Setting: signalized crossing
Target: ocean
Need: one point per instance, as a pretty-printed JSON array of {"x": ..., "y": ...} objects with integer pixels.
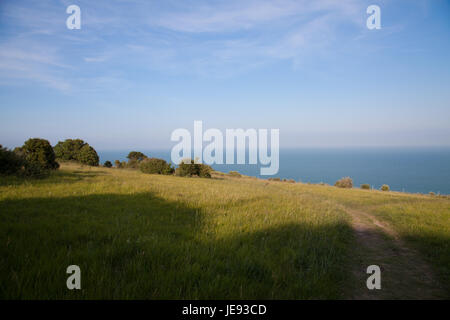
[{"x": 414, "y": 170}]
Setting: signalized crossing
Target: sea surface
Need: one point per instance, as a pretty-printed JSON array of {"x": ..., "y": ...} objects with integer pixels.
[{"x": 415, "y": 170}]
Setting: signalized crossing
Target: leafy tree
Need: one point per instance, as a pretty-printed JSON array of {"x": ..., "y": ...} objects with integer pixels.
[
  {"x": 136, "y": 155},
  {"x": 10, "y": 162},
  {"x": 69, "y": 149},
  {"x": 107, "y": 164},
  {"x": 38, "y": 154},
  {"x": 189, "y": 168},
  {"x": 88, "y": 155},
  {"x": 156, "y": 166},
  {"x": 77, "y": 150}
]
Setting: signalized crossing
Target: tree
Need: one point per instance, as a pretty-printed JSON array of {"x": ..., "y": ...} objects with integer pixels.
[
  {"x": 88, "y": 155},
  {"x": 10, "y": 162},
  {"x": 69, "y": 149},
  {"x": 107, "y": 164},
  {"x": 117, "y": 163},
  {"x": 136, "y": 155},
  {"x": 189, "y": 168},
  {"x": 76, "y": 150},
  {"x": 38, "y": 153},
  {"x": 156, "y": 166}
]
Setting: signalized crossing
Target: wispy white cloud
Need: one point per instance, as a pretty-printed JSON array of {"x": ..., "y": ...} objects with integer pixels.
[
  {"x": 226, "y": 16},
  {"x": 212, "y": 39}
]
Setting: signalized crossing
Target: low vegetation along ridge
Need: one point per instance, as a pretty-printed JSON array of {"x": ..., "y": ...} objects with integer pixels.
[{"x": 164, "y": 233}]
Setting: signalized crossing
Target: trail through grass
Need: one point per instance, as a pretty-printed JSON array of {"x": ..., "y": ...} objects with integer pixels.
[{"x": 139, "y": 236}]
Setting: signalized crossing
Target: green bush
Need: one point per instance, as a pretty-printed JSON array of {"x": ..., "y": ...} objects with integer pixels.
[
  {"x": 384, "y": 187},
  {"x": 76, "y": 150},
  {"x": 205, "y": 171},
  {"x": 88, "y": 155},
  {"x": 134, "y": 159},
  {"x": 38, "y": 153},
  {"x": 107, "y": 164},
  {"x": 346, "y": 182},
  {"x": 10, "y": 162},
  {"x": 68, "y": 149},
  {"x": 234, "y": 174},
  {"x": 35, "y": 170},
  {"x": 189, "y": 168},
  {"x": 155, "y": 166},
  {"x": 365, "y": 186},
  {"x": 136, "y": 155}
]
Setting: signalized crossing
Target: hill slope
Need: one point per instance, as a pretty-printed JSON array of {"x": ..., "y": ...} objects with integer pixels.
[{"x": 164, "y": 237}]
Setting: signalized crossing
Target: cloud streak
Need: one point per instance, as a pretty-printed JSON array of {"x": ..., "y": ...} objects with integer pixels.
[{"x": 211, "y": 39}]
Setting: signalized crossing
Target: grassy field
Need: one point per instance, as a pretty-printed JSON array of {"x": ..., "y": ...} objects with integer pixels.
[{"x": 139, "y": 236}]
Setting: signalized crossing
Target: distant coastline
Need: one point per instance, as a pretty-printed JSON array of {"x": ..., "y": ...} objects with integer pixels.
[{"x": 408, "y": 169}]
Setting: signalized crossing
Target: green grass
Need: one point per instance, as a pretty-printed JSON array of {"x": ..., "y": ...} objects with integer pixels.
[
  {"x": 139, "y": 236},
  {"x": 423, "y": 221}
]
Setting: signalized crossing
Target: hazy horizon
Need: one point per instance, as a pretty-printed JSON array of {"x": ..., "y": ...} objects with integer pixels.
[{"x": 136, "y": 71}]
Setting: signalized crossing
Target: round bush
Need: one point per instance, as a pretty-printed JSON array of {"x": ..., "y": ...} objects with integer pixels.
[
  {"x": 384, "y": 187},
  {"x": 39, "y": 153},
  {"x": 10, "y": 162},
  {"x": 155, "y": 166},
  {"x": 107, "y": 164},
  {"x": 69, "y": 149},
  {"x": 88, "y": 155},
  {"x": 365, "y": 186},
  {"x": 76, "y": 150},
  {"x": 188, "y": 168},
  {"x": 346, "y": 182},
  {"x": 136, "y": 155}
]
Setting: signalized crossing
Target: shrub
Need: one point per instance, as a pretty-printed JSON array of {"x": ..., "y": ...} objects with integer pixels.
[
  {"x": 77, "y": 150},
  {"x": 274, "y": 179},
  {"x": 346, "y": 182},
  {"x": 136, "y": 155},
  {"x": 155, "y": 166},
  {"x": 117, "y": 163},
  {"x": 68, "y": 149},
  {"x": 134, "y": 159},
  {"x": 384, "y": 187},
  {"x": 88, "y": 155},
  {"x": 35, "y": 170},
  {"x": 133, "y": 163},
  {"x": 10, "y": 162},
  {"x": 234, "y": 174},
  {"x": 107, "y": 164},
  {"x": 205, "y": 171},
  {"x": 38, "y": 153},
  {"x": 365, "y": 186},
  {"x": 188, "y": 168}
]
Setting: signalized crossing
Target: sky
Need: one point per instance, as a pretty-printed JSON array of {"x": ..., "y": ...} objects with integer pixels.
[{"x": 138, "y": 70}]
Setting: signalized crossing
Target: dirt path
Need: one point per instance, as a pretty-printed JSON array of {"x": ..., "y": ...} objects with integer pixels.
[{"x": 404, "y": 274}]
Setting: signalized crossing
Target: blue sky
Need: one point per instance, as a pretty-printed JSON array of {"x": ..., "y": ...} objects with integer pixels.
[{"x": 137, "y": 70}]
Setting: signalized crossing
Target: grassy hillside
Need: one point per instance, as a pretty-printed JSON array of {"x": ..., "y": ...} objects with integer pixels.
[{"x": 164, "y": 237}]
